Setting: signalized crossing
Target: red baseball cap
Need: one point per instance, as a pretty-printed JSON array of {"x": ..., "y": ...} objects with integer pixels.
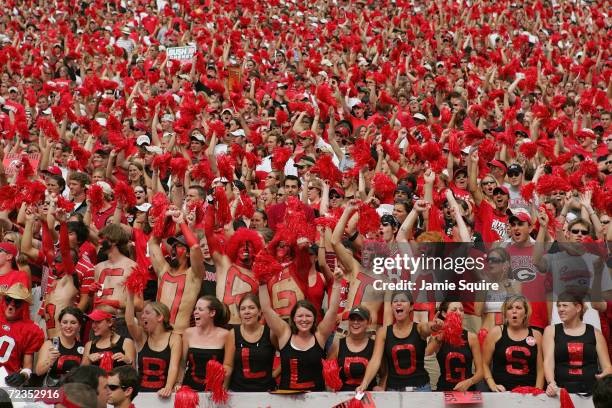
[
  {"x": 504, "y": 189},
  {"x": 497, "y": 163},
  {"x": 99, "y": 315},
  {"x": 53, "y": 170},
  {"x": 520, "y": 215},
  {"x": 8, "y": 248}
]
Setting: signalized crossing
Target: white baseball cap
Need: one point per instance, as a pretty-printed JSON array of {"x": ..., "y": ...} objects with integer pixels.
[
  {"x": 143, "y": 139},
  {"x": 144, "y": 207}
]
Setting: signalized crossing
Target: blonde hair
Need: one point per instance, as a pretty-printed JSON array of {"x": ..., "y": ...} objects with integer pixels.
[
  {"x": 162, "y": 310},
  {"x": 512, "y": 299}
]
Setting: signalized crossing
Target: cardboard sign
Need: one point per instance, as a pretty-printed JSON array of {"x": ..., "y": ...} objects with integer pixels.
[
  {"x": 12, "y": 162},
  {"x": 181, "y": 53},
  {"x": 458, "y": 397},
  {"x": 366, "y": 402}
]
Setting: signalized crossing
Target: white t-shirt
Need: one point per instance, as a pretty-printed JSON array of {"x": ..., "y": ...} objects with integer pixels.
[{"x": 576, "y": 271}]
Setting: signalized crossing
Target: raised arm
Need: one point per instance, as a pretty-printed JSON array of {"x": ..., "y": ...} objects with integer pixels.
[
  {"x": 328, "y": 324},
  {"x": 374, "y": 364},
  {"x": 133, "y": 327},
  {"x": 277, "y": 325}
]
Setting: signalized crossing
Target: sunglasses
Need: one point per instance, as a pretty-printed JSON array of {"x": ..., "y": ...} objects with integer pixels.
[
  {"x": 604, "y": 222},
  {"x": 8, "y": 300},
  {"x": 334, "y": 196},
  {"x": 499, "y": 193},
  {"x": 486, "y": 183},
  {"x": 580, "y": 231},
  {"x": 513, "y": 174},
  {"x": 114, "y": 387},
  {"x": 386, "y": 224},
  {"x": 495, "y": 260}
]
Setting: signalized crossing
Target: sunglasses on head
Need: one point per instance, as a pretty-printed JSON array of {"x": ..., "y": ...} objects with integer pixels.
[
  {"x": 580, "y": 231},
  {"x": 8, "y": 300}
]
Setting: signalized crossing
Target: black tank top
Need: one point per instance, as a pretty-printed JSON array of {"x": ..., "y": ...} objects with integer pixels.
[
  {"x": 575, "y": 360},
  {"x": 302, "y": 369},
  {"x": 515, "y": 362},
  {"x": 117, "y": 348},
  {"x": 455, "y": 364},
  {"x": 68, "y": 359},
  {"x": 153, "y": 367},
  {"x": 253, "y": 363},
  {"x": 353, "y": 365},
  {"x": 405, "y": 360},
  {"x": 197, "y": 358}
]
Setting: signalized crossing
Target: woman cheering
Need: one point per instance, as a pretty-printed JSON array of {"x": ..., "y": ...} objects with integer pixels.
[
  {"x": 249, "y": 350},
  {"x": 402, "y": 346},
  {"x": 512, "y": 355},
  {"x": 301, "y": 341},
  {"x": 573, "y": 350},
  {"x": 159, "y": 350},
  {"x": 456, "y": 361}
]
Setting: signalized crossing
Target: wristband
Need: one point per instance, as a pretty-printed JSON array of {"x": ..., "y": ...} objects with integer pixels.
[
  {"x": 26, "y": 371},
  {"x": 354, "y": 236}
]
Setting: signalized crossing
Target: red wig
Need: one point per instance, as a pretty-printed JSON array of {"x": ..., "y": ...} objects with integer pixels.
[{"x": 241, "y": 236}]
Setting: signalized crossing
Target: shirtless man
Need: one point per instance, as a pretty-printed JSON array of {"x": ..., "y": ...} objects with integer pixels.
[
  {"x": 110, "y": 275},
  {"x": 361, "y": 291},
  {"x": 180, "y": 278},
  {"x": 62, "y": 289},
  {"x": 234, "y": 276}
]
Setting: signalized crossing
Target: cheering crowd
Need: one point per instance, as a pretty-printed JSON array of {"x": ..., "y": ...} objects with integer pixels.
[{"x": 189, "y": 192}]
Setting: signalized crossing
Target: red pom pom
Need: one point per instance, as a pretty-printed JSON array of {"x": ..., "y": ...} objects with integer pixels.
[
  {"x": 328, "y": 222},
  {"x": 325, "y": 95},
  {"x": 226, "y": 164},
  {"x": 355, "y": 403},
  {"x": 589, "y": 167},
  {"x": 217, "y": 127},
  {"x": 566, "y": 400},
  {"x": 527, "y": 191},
  {"x": 136, "y": 282},
  {"x": 178, "y": 166},
  {"x": 471, "y": 132},
  {"x": 125, "y": 193},
  {"x": 280, "y": 155},
  {"x": 525, "y": 390},
  {"x": 215, "y": 375},
  {"x": 326, "y": 169},
  {"x": 162, "y": 163},
  {"x": 48, "y": 128},
  {"x": 548, "y": 183},
  {"x": 529, "y": 149},
  {"x": 106, "y": 362},
  {"x": 453, "y": 330},
  {"x": 360, "y": 152},
  {"x": 331, "y": 374},
  {"x": 96, "y": 197},
  {"x": 482, "y": 335},
  {"x": 431, "y": 151},
  {"x": 386, "y": 99},
  {"x": 186, "y": 397},
  {"x": 383, "y": 186},
  {"x": 9, "y": 199},
  {"x": 34, "y": 192},
  {"x": 67, "y": 205},
  {"x": 369, "y": 220},
  {"x": 281, "y": 117},
  {"x": 222, "y": 208},
  {"x": 266, "y": 267},
  {"x": 202, "y": 171}
]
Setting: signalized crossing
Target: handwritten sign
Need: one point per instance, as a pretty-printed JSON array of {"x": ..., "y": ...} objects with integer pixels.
[
  {"x": 366, "y": 402},
  {"x": 467, "y": 397},
  {"x": 12, "y": 162},
  {"x": 181, "y": 53}
]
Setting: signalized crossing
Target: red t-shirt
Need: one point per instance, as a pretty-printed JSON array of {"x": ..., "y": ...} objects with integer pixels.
[
  {"x": 16, "y": 340},
  {"x": 13, "y": 277},
  {"x": 533, "y": 283},
  {"x": 490, "y": 223}
]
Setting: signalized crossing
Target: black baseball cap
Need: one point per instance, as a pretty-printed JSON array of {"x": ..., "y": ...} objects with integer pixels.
[{"x": 361, "y": 312}]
